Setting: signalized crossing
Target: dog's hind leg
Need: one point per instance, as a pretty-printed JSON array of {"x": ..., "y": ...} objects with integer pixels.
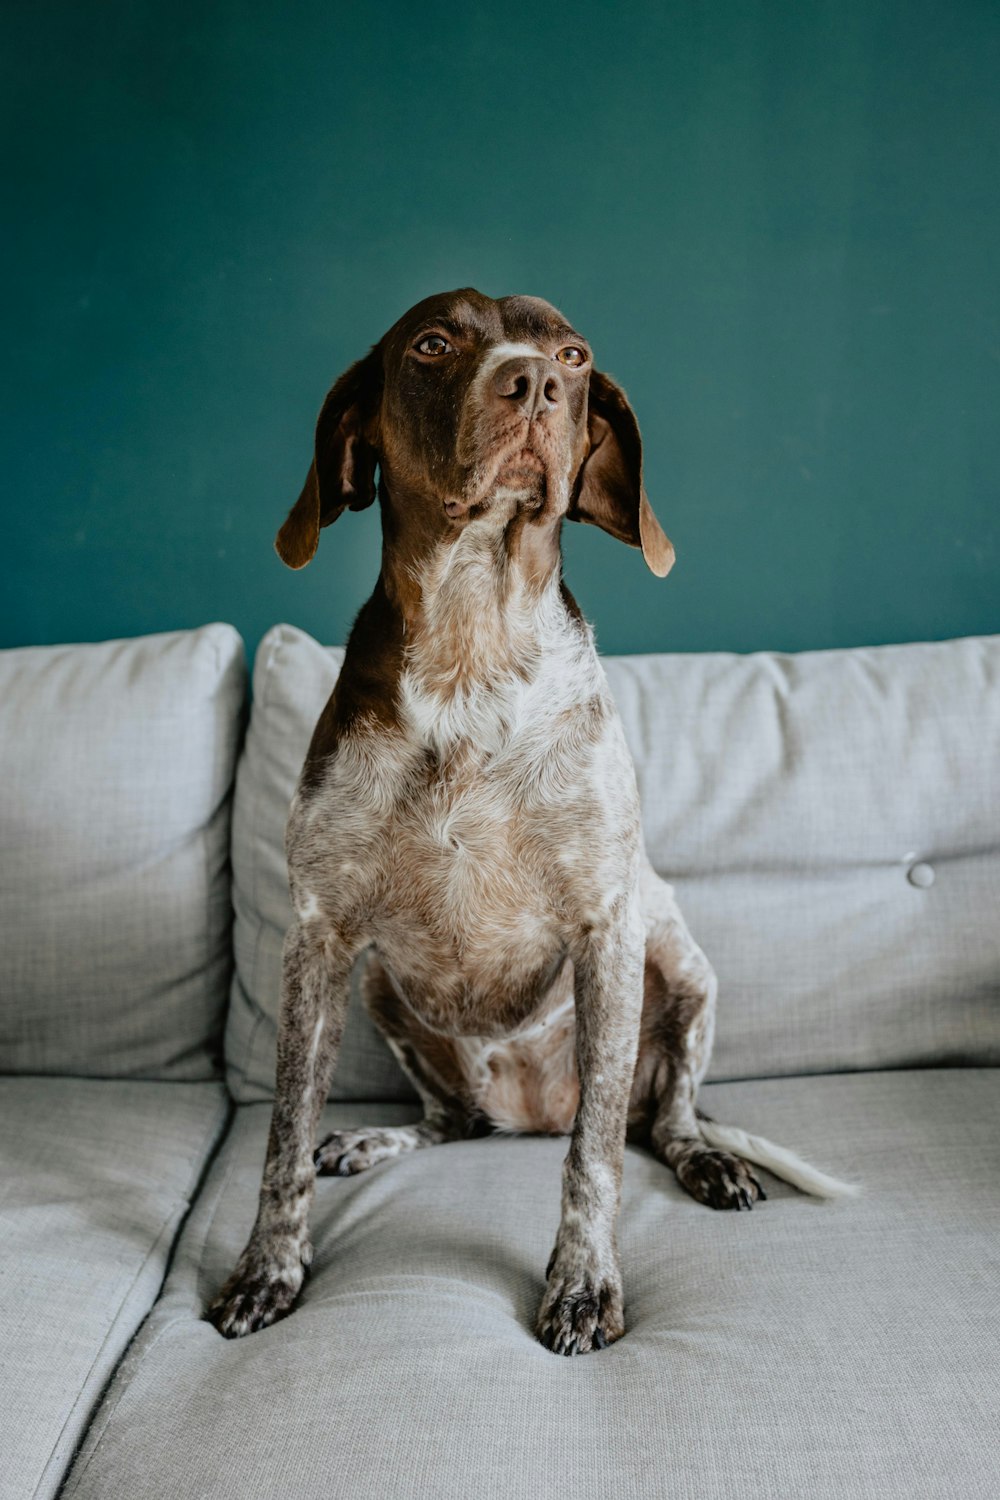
[
  {"x": 711, "y": 1160},
  {"x": 675, "y": 1044},
  {"x": 431, "y": 1064}
]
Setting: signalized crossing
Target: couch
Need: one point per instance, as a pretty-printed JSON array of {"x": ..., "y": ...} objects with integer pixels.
[{"x": 831, "y": 822}]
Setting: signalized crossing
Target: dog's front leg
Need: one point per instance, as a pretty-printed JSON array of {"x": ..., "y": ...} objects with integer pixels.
[
  {"x": 583, "y": 1304},
  {"x": 269, "y": 1274}
]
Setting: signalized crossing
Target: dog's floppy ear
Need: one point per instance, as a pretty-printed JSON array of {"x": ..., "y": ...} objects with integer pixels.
[
  {"x": 609, "y": 491},
  {"x": 342, "y": 474}
]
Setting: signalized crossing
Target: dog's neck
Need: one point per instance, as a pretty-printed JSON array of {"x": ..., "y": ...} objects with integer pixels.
[
  {"x": 476, "y": 603},
  {"x": 485, "y": 631}
]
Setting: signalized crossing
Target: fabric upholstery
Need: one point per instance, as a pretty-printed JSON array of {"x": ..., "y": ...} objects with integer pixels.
[
  {"x": 830, "y": 820},
  {"x": 116, "y": 763},
  {"x": 800, "y": 804},
  {"x": 837, "y": 1351},
  {"x": 95, "y": 1176}
]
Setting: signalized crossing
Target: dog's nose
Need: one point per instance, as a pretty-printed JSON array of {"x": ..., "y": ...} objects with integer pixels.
[{"x": 529, "y": 385}]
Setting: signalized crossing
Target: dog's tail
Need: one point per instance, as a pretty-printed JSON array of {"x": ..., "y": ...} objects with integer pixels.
[{"x": 777, "y": 1159}]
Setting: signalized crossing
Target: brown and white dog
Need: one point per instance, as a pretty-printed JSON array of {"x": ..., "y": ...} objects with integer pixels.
[{"x": 467, "y": 816}]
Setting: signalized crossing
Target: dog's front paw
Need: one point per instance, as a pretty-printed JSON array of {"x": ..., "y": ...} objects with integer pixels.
[
  {"x": 580, "y": 1312},
  {"x": 261, "y": 1290},
  {"x": 718, "y": 1179},
  {"x": 346, "y": 1152}
]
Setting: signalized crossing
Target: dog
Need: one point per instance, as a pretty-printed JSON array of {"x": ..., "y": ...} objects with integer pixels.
[{"x": 467, "y": 820}]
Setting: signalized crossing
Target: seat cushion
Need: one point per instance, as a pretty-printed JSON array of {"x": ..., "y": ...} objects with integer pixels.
[
  {"x": 95, "y": 1177},
  {"x": 116, "y": 763},
  {"x": 830, "y": 820},
  {"x": 831, "y": 1350}
]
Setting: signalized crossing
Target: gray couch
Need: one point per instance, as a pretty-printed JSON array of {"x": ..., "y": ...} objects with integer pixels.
[{"x": 832, "y": 824}]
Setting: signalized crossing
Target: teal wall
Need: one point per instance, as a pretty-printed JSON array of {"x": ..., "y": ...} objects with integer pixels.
[{"x": 778, "y": 223}]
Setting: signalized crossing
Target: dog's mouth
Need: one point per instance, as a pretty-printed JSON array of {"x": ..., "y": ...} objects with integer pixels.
[
  {"x": 521, "y": 469},
  {"x": 525, "y": 462},
  {"x": 517, "y": 472}
]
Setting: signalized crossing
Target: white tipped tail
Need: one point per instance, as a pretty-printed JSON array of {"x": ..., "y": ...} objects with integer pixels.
[{"x": 776, "y": 1159}]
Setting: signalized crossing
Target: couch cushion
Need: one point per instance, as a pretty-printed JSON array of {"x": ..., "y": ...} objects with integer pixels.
[
  {"x": 831, "y": 1350},
  {"x": 94, "y": 1179},
  {"x": 831, "y": 821},
  {"x": 798, "y": 803},
  {"x": 116, "y": 762}
]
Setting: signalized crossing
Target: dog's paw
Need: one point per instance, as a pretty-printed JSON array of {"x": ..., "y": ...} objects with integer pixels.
[
  {"x": 259, "y": 1292},
  {"x": 579, "y": 1313},
  {"x": 346, "y": 1152},
  {"x": 718, "y": 1179}
]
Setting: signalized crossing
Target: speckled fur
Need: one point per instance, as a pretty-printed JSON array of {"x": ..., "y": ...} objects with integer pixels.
[{"x": 468, "y": 815}]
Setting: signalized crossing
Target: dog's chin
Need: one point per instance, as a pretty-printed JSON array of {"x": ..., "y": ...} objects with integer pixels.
[{"x": 517, "y": 492}]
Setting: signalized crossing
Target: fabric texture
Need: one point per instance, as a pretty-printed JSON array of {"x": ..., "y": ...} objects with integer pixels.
[
  {"x": 837, "y": 1351},
  {"x": 116, "y": 764},
  {"x": 95, "y": 1176},
  {"x": 830, "y": 821}
]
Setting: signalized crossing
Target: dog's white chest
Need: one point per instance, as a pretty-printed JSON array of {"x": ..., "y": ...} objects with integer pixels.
[{"x": 477, "y": 720}]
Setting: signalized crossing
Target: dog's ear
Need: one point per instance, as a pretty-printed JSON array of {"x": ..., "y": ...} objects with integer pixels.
[
  {"x": 609, "y": 491},
  {"x": 342, "y": 473}
]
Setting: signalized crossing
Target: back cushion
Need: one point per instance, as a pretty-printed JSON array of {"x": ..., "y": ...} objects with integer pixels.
[
  {"x": 830, "y": 822},
  {"x": 116, "y": 770}
]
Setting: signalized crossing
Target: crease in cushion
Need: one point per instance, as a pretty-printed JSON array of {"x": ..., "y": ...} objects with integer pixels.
[
  {"x": 839, "y": 1351},
  {"x": 117, "y": 764},
  {"x": 787, "y": 798},
  {"x": 95, "y": 1177}
]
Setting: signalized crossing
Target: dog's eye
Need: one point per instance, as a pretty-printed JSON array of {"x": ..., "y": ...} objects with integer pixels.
[
  {"x": 571, "y": 355},
  {"x": 434, "y": 344}
]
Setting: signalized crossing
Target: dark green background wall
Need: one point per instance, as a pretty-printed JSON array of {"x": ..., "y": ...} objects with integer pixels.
[{"x": 779, "y": 224}]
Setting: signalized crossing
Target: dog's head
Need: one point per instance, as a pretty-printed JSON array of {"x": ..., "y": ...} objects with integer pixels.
[{"x": 476, "y": 409}]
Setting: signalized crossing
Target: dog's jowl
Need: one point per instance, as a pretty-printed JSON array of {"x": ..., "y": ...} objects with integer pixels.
[{"x": 466, "y": 824}]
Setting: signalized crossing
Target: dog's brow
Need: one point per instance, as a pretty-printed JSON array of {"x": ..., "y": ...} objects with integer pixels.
[
  {"x": 542, "y": 329},
  {"x": 458, "y": 327},
  {"x": 564, "y": 331}
]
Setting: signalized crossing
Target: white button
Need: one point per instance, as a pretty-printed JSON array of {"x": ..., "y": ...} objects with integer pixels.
[{"x": 920, "y": 875}]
